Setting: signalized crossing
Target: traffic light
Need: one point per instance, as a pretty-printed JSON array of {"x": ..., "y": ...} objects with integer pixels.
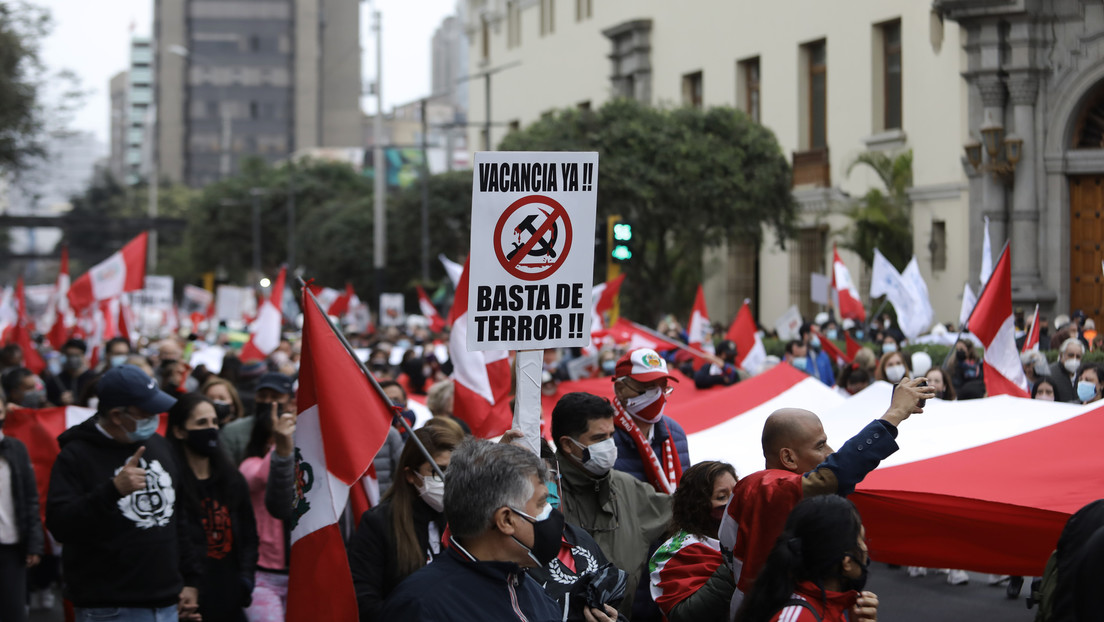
[{"x": 622, "y": 241}]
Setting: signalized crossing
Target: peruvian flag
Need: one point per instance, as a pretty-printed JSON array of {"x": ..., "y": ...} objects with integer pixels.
[
  {"x": 849, "y": 303},
  {"x": 749, "y": 347},
  {"x": 340, "y": 306},
  {"x": 678, "y": 573},
  {"x": 342, "y": 424},
  {"x": 264, "y": 332},
  {"x": 39, "y": 428},
  {"x": 20, "y": 333},
  {"x": 698, "y": 332},
  {"x": 124, "y": 271},
  {"x": 853, "y": 346},
  {"x": 481, "y": 379},
  {"x": 63, "y": 317},
  {"x": 1032, "y": 341},
  {"x": 634, "y": 336},
  {"x": 604, "y": 296},
  {"x": 436, "y": 324},
  {"x": 993, "y": 323},
  {"x": 832, "y": 350}
]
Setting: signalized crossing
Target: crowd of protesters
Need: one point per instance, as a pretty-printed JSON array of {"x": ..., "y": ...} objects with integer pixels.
[{"x": 612, "y": 521}]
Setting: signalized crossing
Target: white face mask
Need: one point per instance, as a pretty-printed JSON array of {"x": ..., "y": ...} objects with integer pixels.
[
  {"x": 598, "y": 458},
  {"x": 1071, "y": 365},
  {"x": 432, "y": 491},
  {"x": 647, "y": 406},
  {"x": 894, "y": 373}
]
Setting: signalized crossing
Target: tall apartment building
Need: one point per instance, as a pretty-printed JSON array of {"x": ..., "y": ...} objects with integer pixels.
[
  {"x": 117, "y": 88},
  {"x": 265, "y": 78},
  {"x": 998, "y": 100},
  {"x": 139, "y": 110}
]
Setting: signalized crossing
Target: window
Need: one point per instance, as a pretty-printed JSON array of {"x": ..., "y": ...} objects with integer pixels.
[
  {"x": 808, "y": 255},
  {"x": 747, "y": 80},
  {"x": 547, "y": 17},
  {"x": 584, "y": 106},
  {"x": 938, "y": 245},
  {"x": 692, "y": 89},
  {"x": 513, "y": 24},
  {"x": 485, "y": 37},
  {"x": 254, "y": 110},
  {"x": 583, "y": 9},
  {"x": 816, "y": 55},
  {"x": 514, "y": 126},
  {"x": 630, "y": 59},
  {"x": 891, "y": 80}
]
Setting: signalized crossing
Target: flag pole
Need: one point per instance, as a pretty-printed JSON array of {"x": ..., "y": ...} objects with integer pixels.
[
  {"x": 677, "y": 344},
  {"x": 371, "y": 379}
]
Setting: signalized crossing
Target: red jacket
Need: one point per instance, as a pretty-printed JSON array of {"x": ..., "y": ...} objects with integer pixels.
[{"x": 829, "y": 606}]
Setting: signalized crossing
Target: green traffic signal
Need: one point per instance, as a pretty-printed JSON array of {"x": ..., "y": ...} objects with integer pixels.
[
  {"x": 621, "y": 253},
  {"x": 622, "y": 232}
]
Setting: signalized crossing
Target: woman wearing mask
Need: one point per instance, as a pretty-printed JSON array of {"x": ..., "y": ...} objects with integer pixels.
[
  {"x": 817, "y": 570},
  {"x": 889, "y": 344},
  {"x": 228, "y": 404},
  {"x": 964, "y": 365},
  {"x": 688, "y": 577},
  {"x": 403, "y": 532},
  {"x": 893, "y": 368},
  {"x": 940, "y": 381},
  {"x": 1043, "y": 390},
  {"x": 217, "y": 498},
  {"x": 1088, "y": 384}
]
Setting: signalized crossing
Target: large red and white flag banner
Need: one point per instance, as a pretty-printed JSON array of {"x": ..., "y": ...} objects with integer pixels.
[
  {"x": 992, "y": 321},
  {"x": 849, "y": 302},
  {"x": 264, "y": 332},
  {"x": 123, "y": 271},
  {"x": 343, "y": 422},
  {"x": 21, "y": 333},
  {"x": 39, "y": 428},
  {"x": 436, "y": 324},
  {"x": 750, "y": 352},
  {"x": 481, "y": 379},
  {"x": 63, "y": 316},
  {"x": 699, "y": 332},
  {"x": 1031, "y": 342}
]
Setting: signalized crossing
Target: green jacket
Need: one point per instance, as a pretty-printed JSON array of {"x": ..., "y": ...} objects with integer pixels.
[
  {"x": 234, "y": 436},
  {"x": 624, "y": 515}
]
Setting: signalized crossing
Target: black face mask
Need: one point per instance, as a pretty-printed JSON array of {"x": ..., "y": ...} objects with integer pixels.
[
  {"x": 547, "y": 535},
  {"x": 222, "y": 410},
  {"x": 960, "y": 355},
  {"x": 858, "y": 584},
  {"x": 204, "y": 442}
]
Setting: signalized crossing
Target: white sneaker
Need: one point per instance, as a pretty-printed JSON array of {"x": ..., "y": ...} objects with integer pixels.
[
  {"x": 958, "y": 577},
  {"x": 48, "y": 599},
  {"x": 917, "y": 571}
]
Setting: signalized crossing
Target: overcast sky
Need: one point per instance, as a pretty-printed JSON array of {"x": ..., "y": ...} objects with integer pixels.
[{"x": 92, "y": 38}]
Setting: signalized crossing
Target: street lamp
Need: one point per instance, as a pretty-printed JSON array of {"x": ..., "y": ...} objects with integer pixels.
[{"x": 1004, "y": 152}]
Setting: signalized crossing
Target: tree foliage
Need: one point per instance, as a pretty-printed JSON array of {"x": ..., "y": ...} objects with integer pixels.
[
  {"x": 684, "y": 178},
  {"x": 883, "y": 220}
]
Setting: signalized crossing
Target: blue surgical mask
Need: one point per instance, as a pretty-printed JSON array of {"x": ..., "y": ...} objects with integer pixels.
[
  {"x": 1085, "y": 391},
  {"x": 832, "y": 333},
  {"x": 801, "y": 363},
  {"x": 608, "y": 366},
  {"x": 889, "y": 347},
  {"x": 554, "y": 494},
  {"x": 117, "y": 360},
  {"x": 815, "y": 342},
  {"x": 859, "y": 335},
  {"x": 144, "y": 428}
]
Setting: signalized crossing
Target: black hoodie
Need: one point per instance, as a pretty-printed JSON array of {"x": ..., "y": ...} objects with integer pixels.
[{"x": 131, "y": 551}]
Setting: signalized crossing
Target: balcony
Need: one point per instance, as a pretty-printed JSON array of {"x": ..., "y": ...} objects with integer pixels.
[{"x": 811, "y": 168}]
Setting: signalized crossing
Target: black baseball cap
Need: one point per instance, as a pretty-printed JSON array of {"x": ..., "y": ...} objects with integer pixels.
[
  {"x": 276, "y": 381},
  {"x": 128, "y": 385}
]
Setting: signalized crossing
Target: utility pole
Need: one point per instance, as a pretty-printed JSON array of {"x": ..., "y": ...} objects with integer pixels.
[
  {"x": 291, "y": 219},
  {"x": 379, "y": 239},
  {"x": 486, "y": 75},
  {"x": 255, "y": 193},
  {"x": 425, "y": 192}
]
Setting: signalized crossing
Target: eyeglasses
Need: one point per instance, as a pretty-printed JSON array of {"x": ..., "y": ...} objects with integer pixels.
[{"x": 639, "y": 388}]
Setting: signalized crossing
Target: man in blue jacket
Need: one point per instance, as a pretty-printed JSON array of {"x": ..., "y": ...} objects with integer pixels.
[{"x": 496, "y": 501}]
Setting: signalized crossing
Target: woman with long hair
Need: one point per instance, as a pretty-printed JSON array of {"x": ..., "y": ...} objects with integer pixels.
[
  {"x": 403, "y": 532},
  {"x": 689, "y": 579},
  {"x": 216, "y": 497},
  {"x": 817, "y": 569},
  {"x": 893, "y": 367},
  {"x": 228, "y": 404}
]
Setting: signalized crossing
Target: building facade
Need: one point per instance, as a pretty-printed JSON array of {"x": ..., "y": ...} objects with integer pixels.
[
  {"x": 140, "y": 112},
  {"x": 264, "y": 78},
  {"x": 881, "y": 76},
  {"x": 117, "y": 89}
]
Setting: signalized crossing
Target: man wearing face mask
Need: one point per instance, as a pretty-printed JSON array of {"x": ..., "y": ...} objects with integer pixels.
[
  {"x": 624, "y": 515},
  {"x": 819, "y": 364},
  {"x": 112, "y": 504},
  {"x": 24, "y": 388},
  {"x": 273, "y": 391},
  {"x": 651, "y": 446},
  {"x": 62, "y": 388},
  {"x": 500, "y": 524},
  {"x": 1064, "y": 371}
]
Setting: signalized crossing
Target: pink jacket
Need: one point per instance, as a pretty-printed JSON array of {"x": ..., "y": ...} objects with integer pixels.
[{"x": 270, "y": 531}]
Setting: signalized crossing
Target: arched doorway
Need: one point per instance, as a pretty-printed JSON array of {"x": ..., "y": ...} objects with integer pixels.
[{"x": 1086, "y": 193}]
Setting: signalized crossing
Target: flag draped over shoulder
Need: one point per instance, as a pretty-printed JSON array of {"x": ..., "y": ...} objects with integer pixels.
[
  {"x": 343, "y": 421},
  {"x": 992, "y": 321},
  {"x": 481, "y": 379}
]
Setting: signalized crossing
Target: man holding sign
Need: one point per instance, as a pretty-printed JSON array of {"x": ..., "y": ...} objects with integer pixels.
[{"x": 112, "y": 504}]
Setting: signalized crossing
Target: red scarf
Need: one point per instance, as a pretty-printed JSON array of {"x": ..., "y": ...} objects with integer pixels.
[{"x": 663, "y": 475}]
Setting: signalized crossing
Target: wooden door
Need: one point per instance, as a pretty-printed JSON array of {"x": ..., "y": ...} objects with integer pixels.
[{"x": 1087, "y": 246}]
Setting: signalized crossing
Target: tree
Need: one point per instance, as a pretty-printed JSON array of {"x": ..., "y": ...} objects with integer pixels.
[
  {"x": 883, "y": 220},
  {"x": 685, "y": 178}
]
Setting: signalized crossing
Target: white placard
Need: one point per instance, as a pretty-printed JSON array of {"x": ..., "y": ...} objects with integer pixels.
[
  {"x": 392, "y": 310},
  {"x": 818, "y": 288},
  {"x": 789, "y": 324},
  {"x": 532, "y": 250}
]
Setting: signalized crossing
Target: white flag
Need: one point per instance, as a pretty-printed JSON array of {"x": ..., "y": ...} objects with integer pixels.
[
  {"x": 925, "y": 315},
  {"x": 886, "y": 281},
  {"x": 986, "y": 256},
  {"x": 968, "y": 302}
]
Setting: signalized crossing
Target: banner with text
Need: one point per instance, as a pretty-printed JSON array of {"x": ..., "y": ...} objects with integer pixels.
[{"x": 532, "y": 250}]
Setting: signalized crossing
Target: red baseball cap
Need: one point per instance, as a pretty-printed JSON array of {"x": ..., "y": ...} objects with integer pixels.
[{"x": 642, "y": 364}]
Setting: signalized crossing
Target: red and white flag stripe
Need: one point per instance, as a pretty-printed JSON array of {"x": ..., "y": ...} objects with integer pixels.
[
  {"x": 698, "y": 332},
  {"x": 264, "y": 332},
  {"x": 123, "y": 271},
  {"x": 992, "y": 321}
]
